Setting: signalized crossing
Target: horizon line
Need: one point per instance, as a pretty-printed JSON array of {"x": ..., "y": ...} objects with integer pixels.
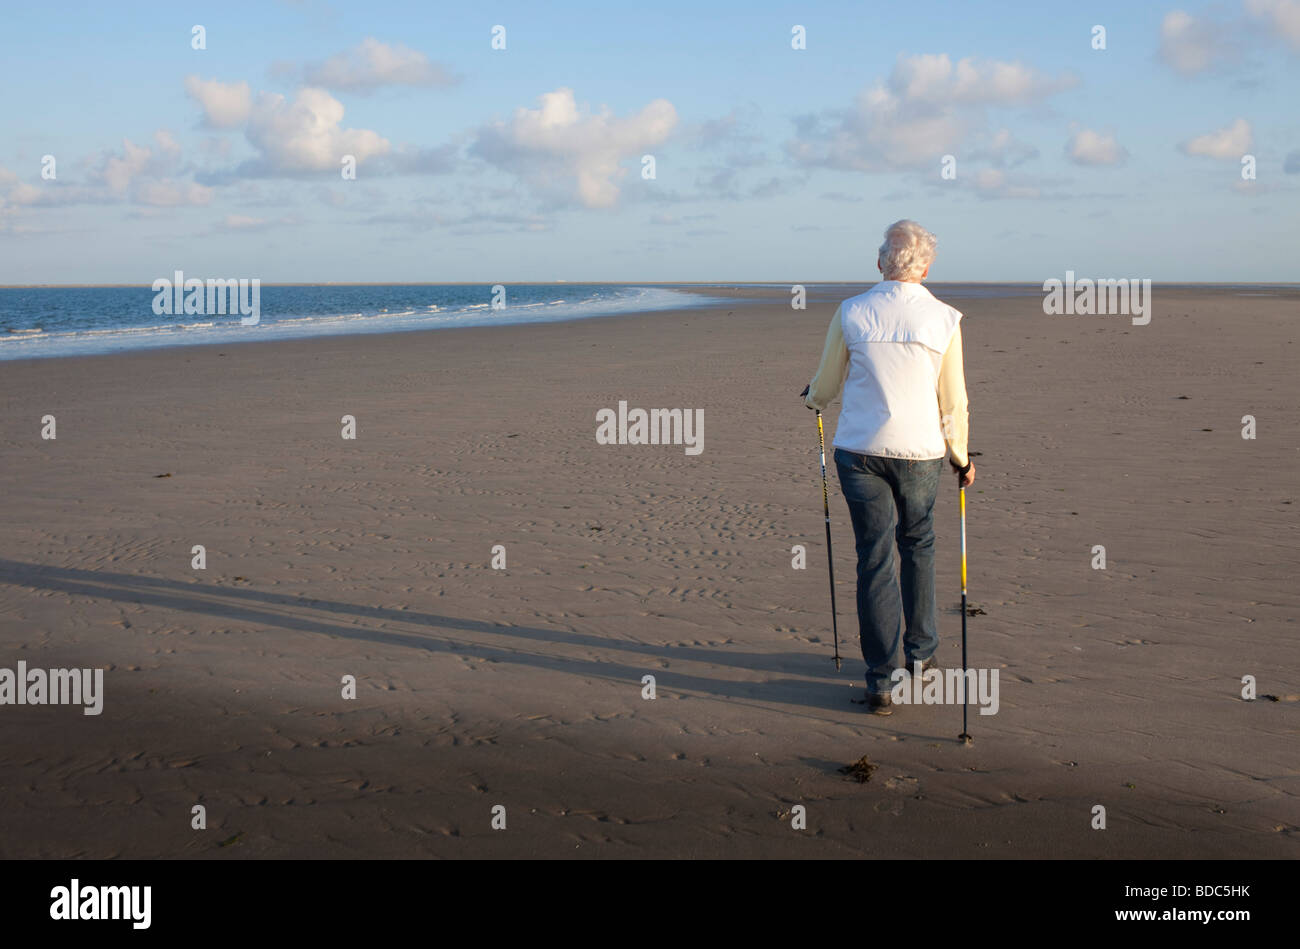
[{"x": 629, "y": 283}]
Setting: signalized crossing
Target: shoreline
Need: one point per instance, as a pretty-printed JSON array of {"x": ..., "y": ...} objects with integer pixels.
[
  {"x": 368, "y": 332},
  {"x": 817, "y": 294},
  {"x": 1172, "y": 284}
]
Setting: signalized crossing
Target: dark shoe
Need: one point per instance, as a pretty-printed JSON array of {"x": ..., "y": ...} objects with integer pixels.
[
  {"x": 925, "y": 666},
  {"x": 880, "y": 703}
]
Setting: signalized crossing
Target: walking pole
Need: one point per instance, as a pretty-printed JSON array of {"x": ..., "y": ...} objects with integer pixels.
[
  {"x": 826, "y": 509},
  {"x": 964, "y": 737}
]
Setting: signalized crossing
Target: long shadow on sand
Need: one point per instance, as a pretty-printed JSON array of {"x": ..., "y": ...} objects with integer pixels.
[{"x": 243, "y": 605}]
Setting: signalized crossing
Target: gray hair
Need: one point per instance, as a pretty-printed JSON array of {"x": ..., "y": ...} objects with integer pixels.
[{"x": 907, "y": 251}]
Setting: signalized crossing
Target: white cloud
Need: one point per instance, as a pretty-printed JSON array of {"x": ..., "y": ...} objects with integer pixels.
[
  {"x": 304, "y": 135},
  {"x": 291, "y": 137},
  {"x": 934, "y": 79},
  {"x": 927, "y": 107},
  {"x": 167, "y": 143},
  {"x": 247, "y": 224},
  {"x": 141, "y": 174},
  {"x": 26, "y": 194},
  {"x": 169, "y": 193},
  {"x": 1087, "y": 147},
  {"x": 372, "y": 64},
  {"x": 117, "y": 171},
  {"x": 735, "y": 129},
  {"x": 242, "y": 222},
  {"x": 1227, "y": 143},
  {"x": 474, "y": 224},
  {"x": 55, "y": 194},
  {"x": 225, "y": 105},
  {"x": 1282, "y": 18},
  {"x": 146, "y": 174},
  {"x": 1002, "y": 149},
  {"x": 994, "y": 183},
  {"x": 569, "y": 151},
  {"x": 1191, "y": 45}
]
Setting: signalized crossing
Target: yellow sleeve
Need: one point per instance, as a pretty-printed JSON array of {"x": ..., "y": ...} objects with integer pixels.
[
  {"x": 834, "y": 367},
  {"x": 953, "y": 406}
]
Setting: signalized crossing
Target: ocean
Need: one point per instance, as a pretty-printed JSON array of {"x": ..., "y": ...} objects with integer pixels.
[{"x": 69, "y": 321}]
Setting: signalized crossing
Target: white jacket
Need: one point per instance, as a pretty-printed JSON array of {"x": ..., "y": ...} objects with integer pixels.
[{"x": 896, "y": 333}]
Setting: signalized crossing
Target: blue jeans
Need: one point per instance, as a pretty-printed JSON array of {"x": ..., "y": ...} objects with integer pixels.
[{"x": 891, "y": 503}]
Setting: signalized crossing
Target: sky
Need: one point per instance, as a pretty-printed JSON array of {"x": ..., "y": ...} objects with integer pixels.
[{"x": 782, "y": 139}]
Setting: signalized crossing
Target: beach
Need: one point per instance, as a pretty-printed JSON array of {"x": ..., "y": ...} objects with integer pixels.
[{"x": 522, "y": 687}]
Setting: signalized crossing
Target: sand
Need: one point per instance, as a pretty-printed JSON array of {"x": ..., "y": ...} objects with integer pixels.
[{"x": 523, "y": 687}]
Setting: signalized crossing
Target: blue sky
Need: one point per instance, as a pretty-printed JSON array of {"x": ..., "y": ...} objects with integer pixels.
[{"x": 771, "y": 163}]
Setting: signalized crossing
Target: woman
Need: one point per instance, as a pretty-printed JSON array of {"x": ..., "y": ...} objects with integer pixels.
[{"x": 896, "y": 352}]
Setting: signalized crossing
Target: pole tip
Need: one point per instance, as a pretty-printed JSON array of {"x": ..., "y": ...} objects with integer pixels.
[{"x": 965, "y": 739}]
